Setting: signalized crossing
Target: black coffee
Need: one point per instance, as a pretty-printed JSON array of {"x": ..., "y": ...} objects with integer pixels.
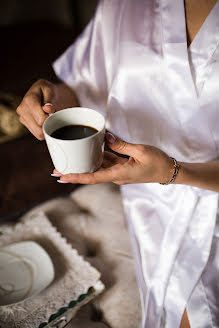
[{"x": 72, "y": 132}]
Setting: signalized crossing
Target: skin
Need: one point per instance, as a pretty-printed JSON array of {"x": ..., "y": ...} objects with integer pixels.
[
  {"x": 144, "y": 163},
  {"x": 196, "y": 12},
  {"x": 41, "y": 99}
]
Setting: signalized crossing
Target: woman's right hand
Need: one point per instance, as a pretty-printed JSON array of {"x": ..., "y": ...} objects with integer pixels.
[{"x": 38, "y": 102}]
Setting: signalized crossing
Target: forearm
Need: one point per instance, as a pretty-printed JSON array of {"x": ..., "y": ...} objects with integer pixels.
[
  {"x": 65, "y": 97},
  {"x": 202, "y": 175}
]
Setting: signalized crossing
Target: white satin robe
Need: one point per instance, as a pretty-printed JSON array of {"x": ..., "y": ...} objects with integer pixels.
[{"x": 132, "y": 64}]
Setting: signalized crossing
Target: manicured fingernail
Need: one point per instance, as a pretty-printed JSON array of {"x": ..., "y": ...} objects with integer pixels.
[
  {"x": 48, "y": 104},
  {"x": 110, "y": 138},
  {"x": 61, "y": 181},
  {"x": 57, "y": 175}
]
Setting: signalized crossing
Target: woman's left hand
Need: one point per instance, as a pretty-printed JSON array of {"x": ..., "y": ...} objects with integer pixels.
[{"x": 145, "y": 164}]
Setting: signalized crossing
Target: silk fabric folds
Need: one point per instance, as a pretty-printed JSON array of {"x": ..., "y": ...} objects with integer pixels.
[{"x": 132, "y": 64}]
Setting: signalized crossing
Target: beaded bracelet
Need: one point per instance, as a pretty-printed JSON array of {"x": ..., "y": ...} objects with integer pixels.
[{"x": 176, "y": 170}]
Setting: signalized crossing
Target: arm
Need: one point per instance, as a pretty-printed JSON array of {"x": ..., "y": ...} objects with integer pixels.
[
  {"x": 202, "y": 175},
  {"x": 146, "y": 164},
  {"x": 33, "y": 111}
]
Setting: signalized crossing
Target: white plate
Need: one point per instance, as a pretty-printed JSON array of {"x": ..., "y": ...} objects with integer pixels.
[{"x": 25, "y": 270}]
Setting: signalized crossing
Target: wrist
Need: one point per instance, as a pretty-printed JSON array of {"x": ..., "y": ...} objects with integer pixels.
[
  {"x": 184, "y": 175},
  {"x": 174, "y": 171}
]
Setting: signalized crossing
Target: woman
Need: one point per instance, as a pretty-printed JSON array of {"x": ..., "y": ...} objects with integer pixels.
[{"x": 134, "y": 63}]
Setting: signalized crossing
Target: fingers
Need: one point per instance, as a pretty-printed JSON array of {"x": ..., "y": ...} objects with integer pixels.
[
  {"x": 112, "y": 169},
  {"x": 32, "y": 113},
  {"x": 33, "y": 128},
  {"x": 57, "y": 174},
  {"x": 120, "y": 183},
  {"x": 121, "y": 146},
  {"x": 35, "y": 111},
  {"x": 100, "y": 176},
  {"x": 32, "y": 119},
  {"x": 48, "y": 91},
  {"x": 48, "y": 108}
]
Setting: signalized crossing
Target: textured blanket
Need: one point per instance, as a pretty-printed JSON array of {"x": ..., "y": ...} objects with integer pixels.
[{"x": 91, "y": 219}]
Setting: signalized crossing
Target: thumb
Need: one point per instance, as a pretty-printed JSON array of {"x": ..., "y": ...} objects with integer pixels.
[
  {"x": 48, "y": 97},
  {"x": 119, "y": 145},
  {"x": 48, "y": 108}
]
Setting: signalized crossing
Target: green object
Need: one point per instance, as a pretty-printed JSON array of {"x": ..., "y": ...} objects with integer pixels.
[
  {"x": 57, "y": 314},
  {"x": 43, "y": 324},
  {"x": 62, "y": 310},
  {"x": 81, "y": 297},
  {"x": 72, "y": 304},
  {"x": 65, "y": 308},
  {"x": 53, "y": 316}
]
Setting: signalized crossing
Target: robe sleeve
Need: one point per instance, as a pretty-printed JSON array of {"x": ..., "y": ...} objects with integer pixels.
[{"x": 82, "y": 65}]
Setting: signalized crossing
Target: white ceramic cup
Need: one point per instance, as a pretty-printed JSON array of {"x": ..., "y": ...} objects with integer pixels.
[{"x": 80, "y": 155}]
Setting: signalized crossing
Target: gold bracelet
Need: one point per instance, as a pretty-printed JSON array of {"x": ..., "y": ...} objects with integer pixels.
[{"x": 175, "y": 172}]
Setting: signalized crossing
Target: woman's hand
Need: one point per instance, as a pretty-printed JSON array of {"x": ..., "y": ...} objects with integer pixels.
[
  {"x": 35, "y": 106},
  {"x": 41, "y": 99},
  {"x": 145, "y": 164}
]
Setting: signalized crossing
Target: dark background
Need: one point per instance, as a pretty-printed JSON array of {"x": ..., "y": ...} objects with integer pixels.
[{"x": 32, "y": 35}]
